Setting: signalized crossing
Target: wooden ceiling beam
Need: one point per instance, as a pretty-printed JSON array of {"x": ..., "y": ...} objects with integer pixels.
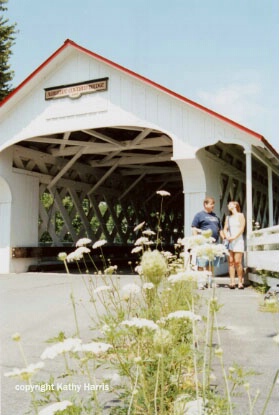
[
  {"x": 132, "y": 171},
  {"x": 104, "y": 148},
  {"x": 144, "y": 159}
]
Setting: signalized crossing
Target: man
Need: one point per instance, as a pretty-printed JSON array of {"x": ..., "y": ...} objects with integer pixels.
[
  {"x": 207, "y": 219},
  {"x": 204, "y": 220}
]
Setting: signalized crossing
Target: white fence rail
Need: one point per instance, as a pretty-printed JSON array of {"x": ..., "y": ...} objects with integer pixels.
[{"x": 263, "y": 255}]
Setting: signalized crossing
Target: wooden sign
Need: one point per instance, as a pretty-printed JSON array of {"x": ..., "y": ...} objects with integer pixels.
[{"x": 76, "y": 90}]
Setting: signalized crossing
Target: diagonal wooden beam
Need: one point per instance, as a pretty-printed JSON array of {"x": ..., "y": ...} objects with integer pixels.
[
  {"x": 105, "y": 176},
  {"x": 68, "y": 223},
  {"x": 66, "y": 168},
  {"x": 103, "y": 137},
  {"x": 132, "y": 186},
  {"x": 111, "y": 155},
  {"x": 80, "y": 211},
  {"x": 102, "y": 227},
  {"x": 66, "y": 137},
  {"x": 141, "y": 136}
]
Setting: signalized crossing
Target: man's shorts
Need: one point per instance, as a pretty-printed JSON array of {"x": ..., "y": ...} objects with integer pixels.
[{"x": 203, "y": 262}]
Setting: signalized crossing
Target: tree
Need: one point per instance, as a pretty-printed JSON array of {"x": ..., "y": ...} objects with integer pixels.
[{"x": 7, "y": 40}]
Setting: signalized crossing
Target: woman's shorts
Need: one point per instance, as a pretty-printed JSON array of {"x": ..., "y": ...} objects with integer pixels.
[{"x": 237, "y": 245}]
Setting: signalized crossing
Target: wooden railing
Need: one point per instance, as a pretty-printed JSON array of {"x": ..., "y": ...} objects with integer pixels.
[{"x": 263, "y": 256}]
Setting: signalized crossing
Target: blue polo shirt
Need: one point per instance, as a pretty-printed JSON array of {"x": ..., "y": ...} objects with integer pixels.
[{"x": 204, "y": 220}]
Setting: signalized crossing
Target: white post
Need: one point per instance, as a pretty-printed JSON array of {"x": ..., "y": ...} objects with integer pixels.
[
  {"x": 270, "y": 196},
  {"x": 249, "y": 202}
]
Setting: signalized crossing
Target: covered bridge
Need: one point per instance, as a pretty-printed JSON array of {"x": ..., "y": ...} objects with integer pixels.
[{"x": 85, "y": 144}]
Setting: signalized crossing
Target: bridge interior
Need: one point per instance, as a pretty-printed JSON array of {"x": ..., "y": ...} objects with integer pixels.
[{"x": 100, "y": 183}]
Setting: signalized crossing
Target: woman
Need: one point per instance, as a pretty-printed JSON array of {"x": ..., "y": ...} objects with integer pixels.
[{"x": 233, "y": 231}]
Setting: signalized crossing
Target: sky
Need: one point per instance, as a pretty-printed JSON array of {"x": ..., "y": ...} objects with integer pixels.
[{"x": 223, "y": 54}]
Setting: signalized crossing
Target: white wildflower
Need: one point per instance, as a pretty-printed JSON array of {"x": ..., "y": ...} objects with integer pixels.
[
  {"x": 110, "y": 270},
  {"x": 209, "y": 251},
  {"x": 148, "y": 286},
  {"x": 136, "y": 249},
  {"x": 143, "y": 240},
  {"x": 219, "y": 351},
  {"x": 16, "y": 337},
  {"x": 105, "y": 328},
  {"x": 149, "y": 243},
  {"x": 82, "y": 250},
  {"x": 129, "y": 290},
  {"x": 25, "y": 372},
  {"x": 83, "y": 242},
  {"x": 167, "y": 254},
  {"x": 195, "y": 240},
  {"x": 140, "y": 323},
  {"x": 162, "y": 338},
  {"x": 66, "y": 346},
  {"x": 55, "y": 407},
  {"x": 139, "y": 226},
  {"x": 99, "y": 243},
  {"x": 184, "y": 314},
  {"x": 163, "y": 193},
  {"x": 62, "y": 256},
  {"x": 181, "y": 241},
  {"x": 93, "y": 347},
  {"x": 148, "y": 232},
  {"x": 154, "y": 266},
  {"x": 187, "y": 276},
  {"x": 74, "y": 256},
  {"x": 102, "y": 288},
  {"x": 207, "y": 233},
  {"x": 138, "y": 269}
]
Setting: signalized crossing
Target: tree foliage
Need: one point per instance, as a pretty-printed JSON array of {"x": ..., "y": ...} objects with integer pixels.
[{"x": 7, "y": 40}]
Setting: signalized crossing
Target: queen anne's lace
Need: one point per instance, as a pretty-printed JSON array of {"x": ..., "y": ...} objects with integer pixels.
[
  {"x": 55, "y": 407},
  {"x": 184, "y": 314},
  {"x": 140, "y": 323},
  {"x": 83, "y": 242},
  {"x": 27, "y": 371},
  {"x": 59, "y": 348}
]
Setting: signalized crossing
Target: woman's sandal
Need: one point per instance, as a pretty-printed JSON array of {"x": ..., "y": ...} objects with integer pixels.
[
  {"x": 240, "y": 287},
  {"x": 231, "y": 287}
]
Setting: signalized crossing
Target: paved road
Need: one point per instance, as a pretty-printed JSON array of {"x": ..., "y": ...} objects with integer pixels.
[
  {"x": 247, "y": 341},
  {"x": 38, "y": 306}
]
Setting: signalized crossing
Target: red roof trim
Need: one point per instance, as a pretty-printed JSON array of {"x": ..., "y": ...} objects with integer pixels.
[{"x": 142, "y": 78}]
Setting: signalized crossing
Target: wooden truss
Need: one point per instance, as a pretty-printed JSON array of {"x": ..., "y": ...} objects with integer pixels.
[{"x": 101, "y": 183}]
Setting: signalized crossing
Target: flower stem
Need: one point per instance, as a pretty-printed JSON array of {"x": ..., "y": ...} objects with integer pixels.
[{"x": 270, "y": 392}]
